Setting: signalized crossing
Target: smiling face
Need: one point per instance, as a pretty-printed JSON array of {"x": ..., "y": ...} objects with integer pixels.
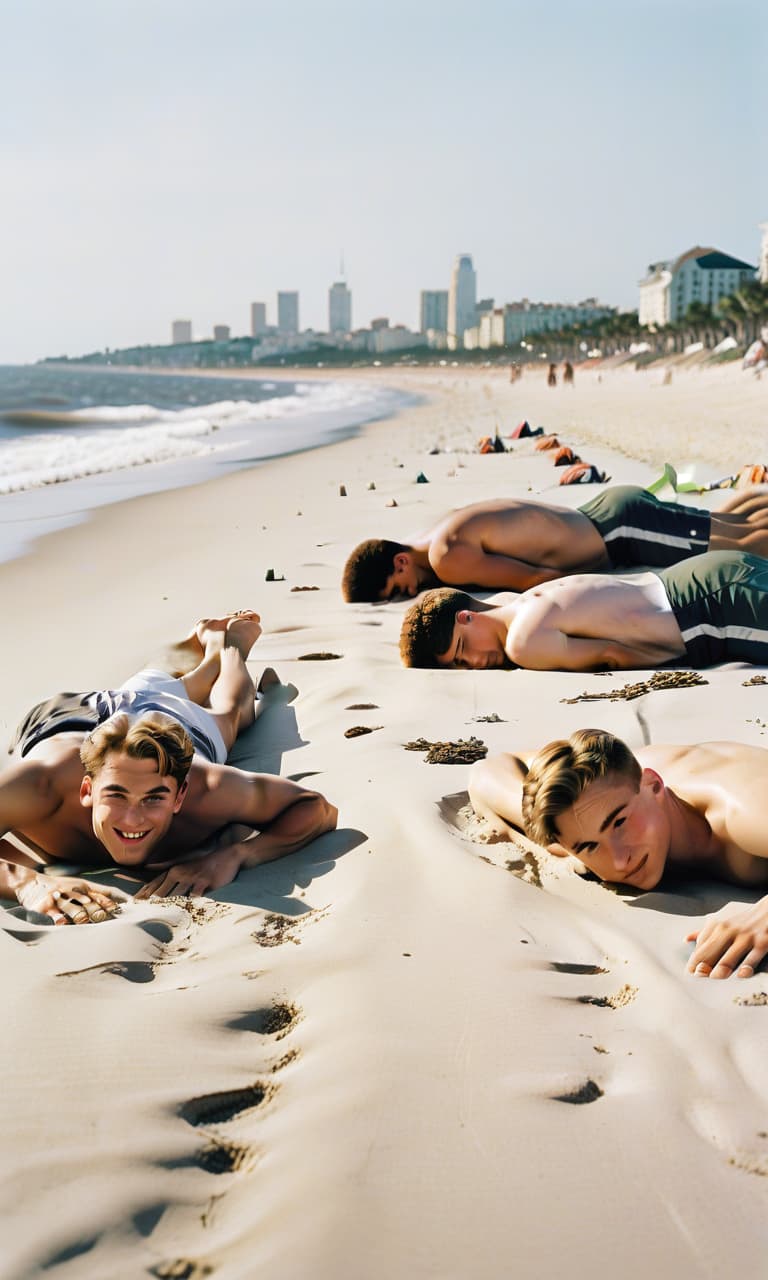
[
  {"x": 476, "y": 644},
  {"x": 619, "y": 832},
  {"x": 132, "y": 806}
]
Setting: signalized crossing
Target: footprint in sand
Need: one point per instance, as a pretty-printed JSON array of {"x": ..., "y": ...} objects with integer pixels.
[
  {"x": 275, "y": 1020},
  {"x": 226, "y": 1157},
  {"x": 217, "y": 1108}
]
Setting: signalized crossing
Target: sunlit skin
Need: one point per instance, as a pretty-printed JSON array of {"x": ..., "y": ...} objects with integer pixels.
[
  {"x": 131, "y": 806},
  {"x": 196, "y": 837},
  {"x": 507, "y": 544},
  {"x": 697, "y": 808},
  {"x": 620, "y": 833}
]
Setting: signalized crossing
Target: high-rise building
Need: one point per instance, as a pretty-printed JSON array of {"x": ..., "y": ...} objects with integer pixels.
[
  {"x": 433, "y": 311},
  {"x": 258, "y": 318},
  {"x": 221, "y": 333},
  {"x": 288, "y": 312},
  {"x": 339, "y": 308},
  {"x": 461, "y": 300},
  {"x": 181, "y": 331}
]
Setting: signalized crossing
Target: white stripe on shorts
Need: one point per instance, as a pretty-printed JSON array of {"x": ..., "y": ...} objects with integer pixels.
[{"x": 650, "y": 535}]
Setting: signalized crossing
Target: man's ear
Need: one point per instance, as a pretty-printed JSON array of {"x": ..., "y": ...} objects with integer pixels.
[
  {"x": 650, "y": 778},
  {"x": 86, "y": 792},
  {"x": 180, "y": 794},
  {"x": 401, "y": 561}
]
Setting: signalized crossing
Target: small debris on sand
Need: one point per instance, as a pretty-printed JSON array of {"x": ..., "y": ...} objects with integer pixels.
[
  {"x": 465, "y": 751},
  {"x": 271, "y": 576},
  {"x": 358, "y": 730},
  {"x": 757, "y": 998},
  {"x": 659, "y": 680},
  {"x": 342, "y": 491},
  {"x": 624, "y": 996},
  {"x": 305, "y": 588},
  {"x": 317, "y": 657},
  {"x": 362, "y": 706},
  {"x": 589, "y": 1091},
  {"x": 391, "y": 502},
  {"x": 421, "y": 478},
  {"x": 491, "y": 719},
  {"x": 755, "y": 680},
  {"x": 371, "y": 485}
]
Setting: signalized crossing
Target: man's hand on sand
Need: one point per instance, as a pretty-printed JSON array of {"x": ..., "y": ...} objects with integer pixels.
[
  {"x": 733, "y": 940},
  {"x": 195, "y": 877},
  {"x": 68, "y": 900}
]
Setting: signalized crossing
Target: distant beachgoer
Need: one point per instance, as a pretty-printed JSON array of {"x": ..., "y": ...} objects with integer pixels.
[
  {"x": 696, "y": 808},
  {"x": 552, "y": 376},
  {"x": 568, "y": 372},
  {"x": 136, "y": 776},
  {"x": 709, "y": 609},
  {"x": 515, "y": 543}
]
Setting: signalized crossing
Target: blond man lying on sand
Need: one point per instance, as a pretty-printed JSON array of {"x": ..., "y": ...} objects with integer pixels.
[
  {"x": 137, "y": 775},
  {"x": 513, "y": 544},
  {"x": 628, "y": 817},
  {"x": 711, "y": 608}
]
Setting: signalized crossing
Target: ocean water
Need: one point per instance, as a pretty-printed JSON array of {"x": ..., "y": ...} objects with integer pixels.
[{"x": 74, "y": 438}]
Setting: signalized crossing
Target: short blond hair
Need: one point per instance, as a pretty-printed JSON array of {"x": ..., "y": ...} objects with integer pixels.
[
  {"x": 151, "y": 736},
  {"x": 563, "y": 770}
]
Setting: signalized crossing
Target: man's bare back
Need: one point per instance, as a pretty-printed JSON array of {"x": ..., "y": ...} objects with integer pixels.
[{"x": 512, "y": 544}]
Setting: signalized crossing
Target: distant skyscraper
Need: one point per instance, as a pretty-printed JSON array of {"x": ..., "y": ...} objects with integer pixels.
[
  {"x": 461, "y": 300},
  {"x": 258, "y": 318},
  {"x": 339, "y": 308},
  {"x": 181, "y": 331},
  {"x": 433, "y": 313},
  {"x": 221, "y": 333},
  {"x": 288, "y": 312}
]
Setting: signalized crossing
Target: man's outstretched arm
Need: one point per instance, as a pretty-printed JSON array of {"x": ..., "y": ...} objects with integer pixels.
[
  {"x": 496, "y": 790},
  {"x": 281, "y": 817}
]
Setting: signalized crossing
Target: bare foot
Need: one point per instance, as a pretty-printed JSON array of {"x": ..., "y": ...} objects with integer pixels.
[{"x": 242, "y": 632}]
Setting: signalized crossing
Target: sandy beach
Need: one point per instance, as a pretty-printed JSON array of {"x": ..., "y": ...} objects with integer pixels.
[{"x": 405, "y": 1051}]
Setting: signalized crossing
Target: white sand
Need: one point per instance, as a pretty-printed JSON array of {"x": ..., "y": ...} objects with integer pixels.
[{"x": 436, "y": 998}]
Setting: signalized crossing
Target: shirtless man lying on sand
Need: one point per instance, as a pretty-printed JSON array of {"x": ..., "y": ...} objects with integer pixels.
[
  {"x": 627, "y": 817},
  {"x": 513, "y": 544},
  {"x": 137, "y": 776},
  {"x": 708, "y": 609}
]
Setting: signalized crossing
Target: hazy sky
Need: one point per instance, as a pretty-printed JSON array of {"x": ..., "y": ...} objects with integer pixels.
[{"x": 182, "y": 158}]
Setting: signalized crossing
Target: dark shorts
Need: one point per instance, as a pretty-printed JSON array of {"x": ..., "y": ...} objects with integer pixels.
[
  {"x": 720, "y": 602},
  {"x": 638, "y": 529},
  {"x": 63, "y": 713}
]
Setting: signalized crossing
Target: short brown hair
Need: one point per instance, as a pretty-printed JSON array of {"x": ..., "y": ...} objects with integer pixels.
[
  {"x": 427, "y": 628},
  {"x": 152, "y": 736},
  {"x": 367, "y": 569},
  {"x": 563, "y": 770}
]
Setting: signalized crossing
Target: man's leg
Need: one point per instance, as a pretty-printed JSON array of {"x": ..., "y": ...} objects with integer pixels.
[
  {"x": 749, "y": 504},
  {"x": 232, "y": 694}
]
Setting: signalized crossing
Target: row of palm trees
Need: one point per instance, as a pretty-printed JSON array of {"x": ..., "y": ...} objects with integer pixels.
[{"x": 740, "y": 316}]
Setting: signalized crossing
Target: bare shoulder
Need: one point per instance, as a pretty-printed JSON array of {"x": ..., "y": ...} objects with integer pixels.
[{"x": 706, "y": 760}]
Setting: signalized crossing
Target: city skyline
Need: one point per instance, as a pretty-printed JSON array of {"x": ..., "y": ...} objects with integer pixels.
[{"x": 578, "y": 151}]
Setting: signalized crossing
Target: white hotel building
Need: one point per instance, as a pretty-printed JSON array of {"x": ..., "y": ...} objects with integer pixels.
[{"x": 700, "y": 275}]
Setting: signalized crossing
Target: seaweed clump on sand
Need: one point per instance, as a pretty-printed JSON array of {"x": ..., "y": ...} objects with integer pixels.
[
  {"x": 659, "y": 680},
  {"x": 465, "y": 751}
]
